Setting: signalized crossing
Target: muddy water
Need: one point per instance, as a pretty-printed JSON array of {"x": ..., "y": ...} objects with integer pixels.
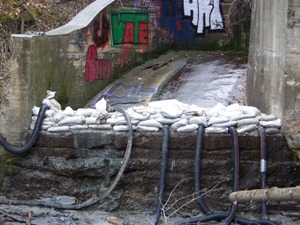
[{"x": 209, "y": 79}]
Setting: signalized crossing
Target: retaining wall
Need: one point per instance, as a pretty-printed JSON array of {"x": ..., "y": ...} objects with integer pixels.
[{"x": 82, "y": 164}]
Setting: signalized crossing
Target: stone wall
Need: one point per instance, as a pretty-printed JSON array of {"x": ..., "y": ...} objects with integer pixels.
[
  {"x": 273, "y": 74},
  {"x": 82, "y": 164}
]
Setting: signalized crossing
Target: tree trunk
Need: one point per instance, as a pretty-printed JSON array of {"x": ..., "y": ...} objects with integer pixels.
[{"x": 271, "y": 194}]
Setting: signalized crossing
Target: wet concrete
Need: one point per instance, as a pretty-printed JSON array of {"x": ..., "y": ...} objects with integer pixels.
[{"x": 209, "y": 79}]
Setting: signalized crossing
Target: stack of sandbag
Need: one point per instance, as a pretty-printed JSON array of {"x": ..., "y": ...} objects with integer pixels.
[{"x": 178, "y": 116}]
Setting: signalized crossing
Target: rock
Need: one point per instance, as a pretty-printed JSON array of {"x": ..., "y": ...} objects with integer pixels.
[{"x": 65, "y": 200}]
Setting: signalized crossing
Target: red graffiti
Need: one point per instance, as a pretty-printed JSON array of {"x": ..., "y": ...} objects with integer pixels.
[
  {"x": 129, "y": 33},
  {"x": 96, "y": 69},
  {"x": 143, "y": 33},
  {"x": 101, "y": 40}
]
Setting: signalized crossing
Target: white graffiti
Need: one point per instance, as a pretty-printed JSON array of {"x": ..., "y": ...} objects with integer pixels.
[{"x": 206, "y": 13}]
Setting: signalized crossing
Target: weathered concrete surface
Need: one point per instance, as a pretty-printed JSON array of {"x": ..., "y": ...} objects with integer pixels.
[
  {"x": 273, "y": 75},
  {"x": 81, "y": 164}
]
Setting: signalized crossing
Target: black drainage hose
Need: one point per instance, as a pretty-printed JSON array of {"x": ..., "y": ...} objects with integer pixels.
[
  {"x": 22, "y": 149},
  {"x": 236, "y": 174},
  {"x": 163, "y": 174},
  {"x": 203, "y": 207},
  {"x": 91, "y": 201},
  {"x": 197, "y": 167},
  {"x": 227, "y": 218},
  {"x": 263, "y": 170}
]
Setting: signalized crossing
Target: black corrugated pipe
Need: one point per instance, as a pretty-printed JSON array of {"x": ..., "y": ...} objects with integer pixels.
[
  {"x": 22, "y": 149},
  {"x": 236, "y": 175},
  {"x": 163, "y": 174},
  {"x": 263, "y": 170},
  {"x": 197, "y": 167},
  {"x": 202, "y": 205},
  {"x": 217, "y": 216},
  {"x": 91, "y": 201}
]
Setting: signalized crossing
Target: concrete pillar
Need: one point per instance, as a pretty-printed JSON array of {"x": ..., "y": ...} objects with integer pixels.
[{"x": 273, "y": 82}]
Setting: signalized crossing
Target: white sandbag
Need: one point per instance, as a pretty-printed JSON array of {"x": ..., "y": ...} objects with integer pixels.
[
  {"x": 139, "y": 109},
  {"x": 172, "y": 111},
  {"x": 150, "y": 110},
  {"x": 247, "y": 128},
  {"x": 216, "y": 120},
  {"x": 234, "y": 108},
  {"x": 91, "y": 120},
  {"x": 72, "y": 120},
  {"x": 69, "y": 111},
  {"x": 100, "y": 127},
  {"x": 265, "y": 117},
  {"x": 58, "y": 116},
  {"x": 50, "y": 94},
  {"x": 198, "y": 120},
  {"x": 227, "y": 124},
  {"x": 120, "y": 128},
  {"x": 79, "y": 127},
  {"x": 248, "y": 121},
  {"x": 167, "y": 121},
  {"x": 48, "y": 123},
  {"x": 59, "y": 129},
  {"x": 56, "y": 104},
  {"x": 83, "y": 112},
  {"x": 49, "y": 113},
  {"x": 114, "y": 121},
  {"x": 250, "y": 110},
  {"x": 45, "y": 127},
  {"x": 186, "y": 116},
  {"x": 178, "y": 124},
  {"x": 188, "y": 128},
  {"x": 35, "y": 110},
  {"x": 49, "y": 103},
  {"x": 216, "y": 130},
  {"x": 101, "y": 105},
  {"x": 150, "y": 123},
  {"x": 272, "y": 123},
  {"x": 156, "y": 115},
  {"x": 147, "y": 128},
  {"x": 194, "y": 110},
  {"x": 231, "y": 114},
  {"x": 215, "y": 110},
  {"x": 139, "y": 116},
  {"x": 242, "y": 116}
]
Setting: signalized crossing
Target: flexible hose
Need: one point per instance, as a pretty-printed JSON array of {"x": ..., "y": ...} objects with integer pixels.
[
  {"x": 203, "y": 207},
  {"x": 19, "y": 150},
  {"x": 197, "y": 168},
  {"x": 236, "y": 174},
  {"x": 217, "y": 216},
  {"x": 91, "y": 201},
  {"x": 163, "y": 174},
  {"x": 263, "y": 170}
]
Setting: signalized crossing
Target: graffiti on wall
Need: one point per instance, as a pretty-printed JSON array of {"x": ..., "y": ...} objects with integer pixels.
[
  {"x": 145, "y": 3},
  {"x": 97, "y": 37},
  {"x": 205, "y": 13},
  {"x": 172, "y": 20},
  {"x": 101, "y": 33},
  {"x": 96, "y": 69},
  {"x": 130, "y": 28}
]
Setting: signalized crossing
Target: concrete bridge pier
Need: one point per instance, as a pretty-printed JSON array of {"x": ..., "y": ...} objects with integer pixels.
[{"x": 273, "y": 82}]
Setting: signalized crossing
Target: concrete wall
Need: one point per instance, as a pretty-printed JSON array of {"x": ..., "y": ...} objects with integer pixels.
[
  {"x": 273, "y": 74},
  {"x": 79, "y": 64}
]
